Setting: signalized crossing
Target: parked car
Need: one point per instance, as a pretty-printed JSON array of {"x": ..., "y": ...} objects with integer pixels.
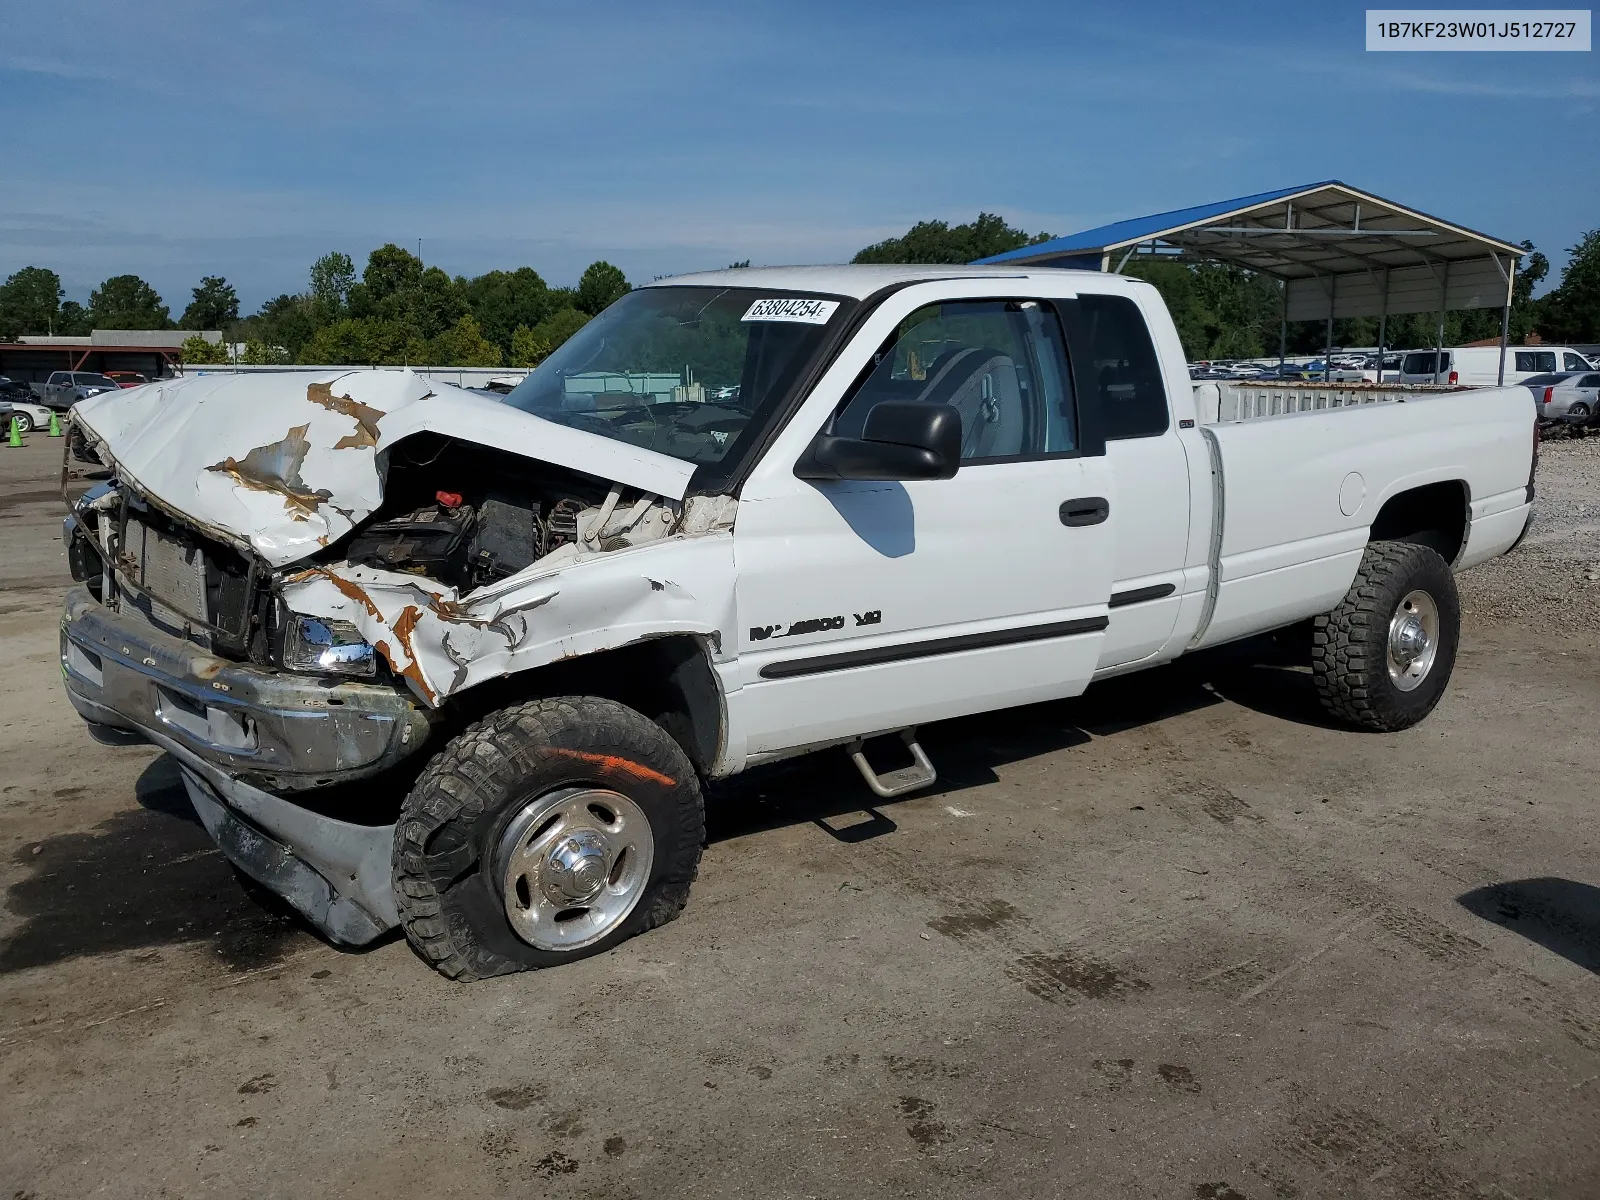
[
  {"x": 126, "y": 379},
  {"x": 1319, "y": 371},
  {"x": 13, "y": 389},
  {"x": 65, "y": 388},
  {"x": 30, "y": 414},
  {"x": 633, "y": 601},
  {"x": 1569, "y": 394},
  {"x": 1479, "y": 366}
]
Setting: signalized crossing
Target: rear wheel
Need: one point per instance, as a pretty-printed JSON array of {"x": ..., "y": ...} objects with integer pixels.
[
  {"x": 1579, "y": 410},
  {"x": 1381, "y": 660},
  {"x": 547, "y": 832}
]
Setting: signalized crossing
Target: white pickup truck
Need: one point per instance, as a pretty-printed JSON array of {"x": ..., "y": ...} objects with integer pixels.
[{"x": 432, "y": 660}]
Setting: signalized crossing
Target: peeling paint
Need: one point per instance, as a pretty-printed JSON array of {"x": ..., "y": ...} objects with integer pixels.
[
  {"x": 365, "y": 416},
  {"x": 443, "y": 643},
  {"x": 275, "y": 468},
  {"x": 211, "y": 450}
]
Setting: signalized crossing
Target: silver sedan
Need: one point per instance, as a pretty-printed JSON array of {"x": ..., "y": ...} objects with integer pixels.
[{"x": 1570, "y": 395}]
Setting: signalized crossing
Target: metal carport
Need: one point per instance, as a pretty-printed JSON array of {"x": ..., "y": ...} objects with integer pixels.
[{"x": 1337, "y": 252}]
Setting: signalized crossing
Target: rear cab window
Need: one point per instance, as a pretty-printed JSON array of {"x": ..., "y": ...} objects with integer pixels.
[{"x": 1114, "y": 365}]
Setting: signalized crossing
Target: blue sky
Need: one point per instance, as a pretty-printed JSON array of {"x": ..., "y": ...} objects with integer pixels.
[{"x": 174, "y": 139}]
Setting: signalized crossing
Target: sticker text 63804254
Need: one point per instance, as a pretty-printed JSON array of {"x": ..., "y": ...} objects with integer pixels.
[{"x": 795, "y": 308}]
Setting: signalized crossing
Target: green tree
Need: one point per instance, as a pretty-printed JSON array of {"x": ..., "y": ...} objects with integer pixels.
[
  {"x": 198, "y": 350},
  {"x": 937, "y": 242},
  {"x": 433, "y": 303},
  {"x": 260, "y": 354},
  {"x": 501, "y": 301},
  {"x": 528, "y": 349},
  {"x": 601, "y": 285},
  {"x": 560, "y": 325},
  {"x": 30, "y": 302},
  {"x": 463, "y": 345},
  {"x": 215, "y": 305},
  {"x": 1571, "y": 313},
  {"x": 332, "y": 277},
  {"x": 389, "y": 270},
  {"x": 365, "y": 341},
  {"x": 74, "y": 320},
  {"x": 127, "y": 302}
]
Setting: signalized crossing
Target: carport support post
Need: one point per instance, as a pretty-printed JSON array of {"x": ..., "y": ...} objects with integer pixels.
[
  {"x": 1383, "y": 323},
  {"x": 1327, "y": 353},
  {"x": 1505, "y": 321},
  {"x": 1438, "y": 344},
  {"x": 1283, "y": 324}
]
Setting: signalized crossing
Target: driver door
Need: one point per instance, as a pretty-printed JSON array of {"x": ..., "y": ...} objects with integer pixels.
[{"x": 866, "y": 606}]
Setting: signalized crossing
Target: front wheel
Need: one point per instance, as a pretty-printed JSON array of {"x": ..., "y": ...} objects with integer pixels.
[
  {"x": 1381, "y": 659},
  {"x": 547, "y": 832},
  {"x": 24, "y": 422}
]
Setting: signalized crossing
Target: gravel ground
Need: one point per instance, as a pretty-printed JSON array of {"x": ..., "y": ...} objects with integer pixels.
[
  {"x": 1176, "y": 939},
  {"x": 1557, "y": 567}
]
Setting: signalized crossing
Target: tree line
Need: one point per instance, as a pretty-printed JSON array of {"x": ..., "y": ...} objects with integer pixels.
[
  {"x": 400, "y": 311},
  {"x": 396, "y": 311}
]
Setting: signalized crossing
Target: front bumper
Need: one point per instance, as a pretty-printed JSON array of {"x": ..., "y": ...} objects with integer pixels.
[
  {"x": 280, "y": 730},
  {"x": 237, "y": 730}
]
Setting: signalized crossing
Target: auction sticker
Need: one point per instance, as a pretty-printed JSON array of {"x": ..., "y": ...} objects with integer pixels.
[{"x": 802, "y": 311}]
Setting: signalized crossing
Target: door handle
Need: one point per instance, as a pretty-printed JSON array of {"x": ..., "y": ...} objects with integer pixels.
[{"x": 1085, "y": 510}]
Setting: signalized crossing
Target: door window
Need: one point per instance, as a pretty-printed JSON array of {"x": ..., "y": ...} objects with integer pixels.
[
  {"x": 1574, "y": 362},
  {"x": 1114, "y": 365},
  {"x": 1537, "y": 360},
  {"x": 999, "y": 363},
  {"x": 1590, "y": 381}
]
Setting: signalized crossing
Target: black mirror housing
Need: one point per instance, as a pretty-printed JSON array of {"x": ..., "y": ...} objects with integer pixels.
[{"x": 901, "y": 440}]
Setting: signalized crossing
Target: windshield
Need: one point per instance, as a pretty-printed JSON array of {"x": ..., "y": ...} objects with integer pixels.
[
  {"x": 86, "y": 379},
  {"x": 681, "y": 370}
]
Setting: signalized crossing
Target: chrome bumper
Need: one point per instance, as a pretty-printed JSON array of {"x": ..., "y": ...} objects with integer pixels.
[
  {"x": 283, "y": 731},
  {"x": 232, "y": 727}
]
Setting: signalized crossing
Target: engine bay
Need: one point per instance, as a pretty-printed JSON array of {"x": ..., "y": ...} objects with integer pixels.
[{"x": 466, "y": 516}]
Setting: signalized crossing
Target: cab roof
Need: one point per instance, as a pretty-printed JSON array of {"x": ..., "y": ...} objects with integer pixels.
[{"x": 859, "y": 282}]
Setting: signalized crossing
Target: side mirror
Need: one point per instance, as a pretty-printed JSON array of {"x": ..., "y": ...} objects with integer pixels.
[{"x": 902, "y": 439}]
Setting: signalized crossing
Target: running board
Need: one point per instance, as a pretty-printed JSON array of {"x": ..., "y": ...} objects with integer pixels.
[{"x": 896, "y": 783}]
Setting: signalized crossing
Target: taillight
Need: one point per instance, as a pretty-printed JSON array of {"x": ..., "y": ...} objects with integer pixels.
[
  {"x": 1548, "y": 393},
  {"x": 1455, "y": 377}
]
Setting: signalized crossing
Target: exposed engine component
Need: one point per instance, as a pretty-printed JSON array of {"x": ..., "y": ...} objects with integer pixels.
[
  {"x": 508, "y": 537},
  {"x": 467, "y": 519}
]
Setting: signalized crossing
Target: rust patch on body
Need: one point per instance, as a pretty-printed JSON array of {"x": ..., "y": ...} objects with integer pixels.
[
  {"x": 347, "y": 589},
  {"x": 403, "y": 628},
  {"x": 275, "y": 469},
  {"x": 365, "y": 416},
  {"x": 612, "y": 762}
]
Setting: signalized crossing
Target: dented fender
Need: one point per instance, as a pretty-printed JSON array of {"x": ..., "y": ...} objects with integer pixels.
[{"x": 443, "y": 643}]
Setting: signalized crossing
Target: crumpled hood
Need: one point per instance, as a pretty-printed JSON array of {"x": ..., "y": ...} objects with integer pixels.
[{"x": 287, "y": 462}]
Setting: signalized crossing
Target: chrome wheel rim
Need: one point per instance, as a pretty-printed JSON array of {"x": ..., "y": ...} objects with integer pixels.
[
  {"x": 1413, "y": 640},
  {"x": 572, "y": 865}
]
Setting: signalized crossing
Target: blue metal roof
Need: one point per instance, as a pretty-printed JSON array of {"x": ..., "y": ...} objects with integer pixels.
[{"x": 1089, "y": 244}]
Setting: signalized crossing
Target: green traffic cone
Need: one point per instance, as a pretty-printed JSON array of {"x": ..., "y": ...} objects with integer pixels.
[
  {"x": 55, "y": 426},
  {"x": 16, "y": 433}
]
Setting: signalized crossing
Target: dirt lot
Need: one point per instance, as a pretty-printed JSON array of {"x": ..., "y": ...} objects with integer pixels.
[{"x": 1174, "y": 939}]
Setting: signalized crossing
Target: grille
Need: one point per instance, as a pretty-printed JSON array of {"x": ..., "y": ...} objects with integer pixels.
[{"x": 169, "y": 575}]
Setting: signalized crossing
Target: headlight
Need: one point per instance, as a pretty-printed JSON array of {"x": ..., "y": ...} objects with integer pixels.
[{"x": 336, "y": 647}]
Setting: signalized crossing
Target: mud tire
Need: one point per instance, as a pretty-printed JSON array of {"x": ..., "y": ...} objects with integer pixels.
[
  {"x": 1349, "y": 646},
  {"x": 450, "y": 904}
]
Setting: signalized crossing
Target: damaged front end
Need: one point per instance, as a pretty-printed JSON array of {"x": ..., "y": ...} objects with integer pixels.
[{"x": 291, "y": 578}]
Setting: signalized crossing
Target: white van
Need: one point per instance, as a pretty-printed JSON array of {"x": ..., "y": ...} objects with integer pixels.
[{"x": 1479, "y": 366}]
